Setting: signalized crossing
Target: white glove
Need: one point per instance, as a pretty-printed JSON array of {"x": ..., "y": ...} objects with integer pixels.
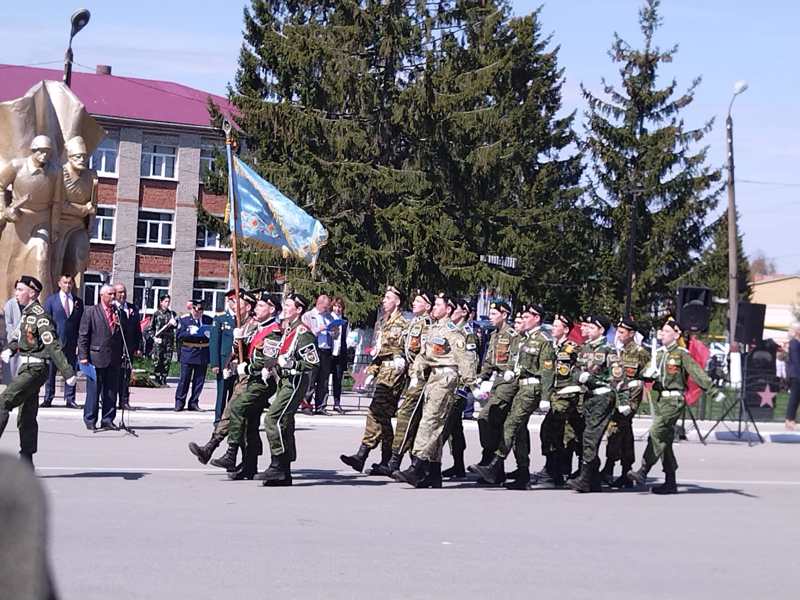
[
  {"x": 508, "y": 376},
  {"x": 285, "y": 362},
  {"x": 485, "y": 388},
  {"x": 650, "y": 373},
  {"x": 413, "y": 382},
  {"x": 193, "y": 329},
  {"x": 5, "y": 355},
  {"x": 583, "y": 377},
  {"x": 544, "y": 405},
  {"x": 173, "y": 322},
  {"x": 398, "y": 363},
  {"x": 226, "y": 373},
  {"x": 157, "y": 340},
  {"x": 719, "y": 397},
  {"x": 238, "y": 333},
  {"x": 241, "y": 369},
  {"x": 624, "y": 410},
  {"x": 265, "y": 375},
  {"x": 369, "y": 379},
  {"x": 71, "y": 380}
]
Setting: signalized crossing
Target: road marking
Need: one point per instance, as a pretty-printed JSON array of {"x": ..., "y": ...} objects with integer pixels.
[{"x": 738, "y": 482}]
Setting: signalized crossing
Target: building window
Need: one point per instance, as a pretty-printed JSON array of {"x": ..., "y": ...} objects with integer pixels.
[
  {"x": 92, "y": 282},
  {"x": 148, "y": 302},
  {"x": 208, "y": 153},
  {"x": 158, "y": 161},
  {"x": 208, "y": 239},
  {"x": 212, "y": 293},
  {"x": 104, "y": 158},
  {"x": 155, "y": 228},
  {"x": 103, "y": 225}
]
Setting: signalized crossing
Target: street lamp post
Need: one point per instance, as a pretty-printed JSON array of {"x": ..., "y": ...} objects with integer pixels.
[
  {"x": 635, "y": 193},
  {"x": 733, "y": 270},
  {"x": 78, "y": 21}
]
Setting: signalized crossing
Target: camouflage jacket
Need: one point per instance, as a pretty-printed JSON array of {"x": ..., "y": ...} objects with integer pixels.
[
  {"x": 501, "y": 351},
  {"x": 603, "y": 365},
  {"x": 263, "y": 344},
  {"x": 535, "y": 360},
  {"x": 444, "y": 346},
  {"x": 38, "y": 338},
  {"x": 390, "y": 344},
  {"x": 566, "y": 360},
  {"x": 160, "y": 320},
  {"x": 415, "y": 336},
  {"x": 631, "y": 386}
]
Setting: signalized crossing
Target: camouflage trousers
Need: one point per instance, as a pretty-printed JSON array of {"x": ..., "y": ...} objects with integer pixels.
[
  {"x": 597, "y": 411},
  {"x": 23, "y": 393},
  {"x": 408, "y": 415},
  {"x": 493, "y": 415},
  {"x": 162, "y": 357},
  {"x": 383, "y": 407},
  {"x": 439, "y": 399},
  {"x": 662, "y": 434},
  {"x": 515, "y": 429}
]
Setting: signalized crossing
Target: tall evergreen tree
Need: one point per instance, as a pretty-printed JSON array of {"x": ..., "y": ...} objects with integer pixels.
[{"x": 645, "y": 163}]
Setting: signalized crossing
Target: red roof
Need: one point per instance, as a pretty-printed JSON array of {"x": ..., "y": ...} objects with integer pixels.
[{"x": 124, "y": 97}]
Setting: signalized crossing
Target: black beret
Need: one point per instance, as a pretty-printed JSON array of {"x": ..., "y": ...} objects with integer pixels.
[
  {"x": 299, "y": 300},
  {"x": 564, "y": 319},
  {"x": 269, "y": 298},
  {"x": 31, "y": 282},
  {"x": 600, "y": 320},
  {"x": 424, "y": 295},
  {"x": 465, "y": 305},
  {"x": 162, "y": 297},
  {"x": 534, "y": 308},
  {"x": 673, "y": 324},
  {"x": 628, "y": 323},
  {"x": 501, "y": 306},
  {"x": 396, "y": 292},
  {"x": 447, "y": 299}
]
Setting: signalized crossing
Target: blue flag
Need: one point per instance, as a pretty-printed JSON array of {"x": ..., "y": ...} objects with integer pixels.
[{"x": 269, "y": 217}]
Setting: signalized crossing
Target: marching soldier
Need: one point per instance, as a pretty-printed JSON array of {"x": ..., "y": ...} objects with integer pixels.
[
  {"x": 442, "y": 364},
  {"x": 671, "y": 366},
  {"x": 220, "y": 347},
  {"x": 533, "y": 369},
  {"x": 630, "y": 391},
  {"x": 410, "y": 410},
  {"x": 162, "y": 327},
  {"x": 599, "y": 364},
  {"x": 36, "y": 343},
  {"x": 389, "y": 368},
  {"x": 297, "y": 356}
]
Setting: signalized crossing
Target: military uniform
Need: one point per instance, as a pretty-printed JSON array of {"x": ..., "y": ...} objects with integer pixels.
[
  {"x": 193, "y": 335},
  {"x": 37, "y": 344},
  {"x": 163, "y": 350},
  {"x": 220, "y": 347}
]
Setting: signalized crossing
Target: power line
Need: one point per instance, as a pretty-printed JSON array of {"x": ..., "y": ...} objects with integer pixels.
[{"x": 778, "y": 183}]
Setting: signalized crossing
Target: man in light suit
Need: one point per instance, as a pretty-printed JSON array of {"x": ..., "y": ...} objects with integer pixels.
[{"x": 66, "y": 310}]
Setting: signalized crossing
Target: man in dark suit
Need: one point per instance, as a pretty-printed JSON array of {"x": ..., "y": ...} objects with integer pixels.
[
  {"x": 130, "y": 323},
  {"x": 100, "y": 344},
  {"x": 194, "y": 330},
  {"x": 66, "y": 310}
]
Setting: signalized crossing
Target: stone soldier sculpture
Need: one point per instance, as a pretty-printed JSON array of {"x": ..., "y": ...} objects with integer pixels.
[
  {"x": 388, "y": 368},
  {"x": 37, "y": 344},
  {"x": 162, "y": 328}
]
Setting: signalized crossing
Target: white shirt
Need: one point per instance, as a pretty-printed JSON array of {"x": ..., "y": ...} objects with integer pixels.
[{"x": 67, "y": 298}]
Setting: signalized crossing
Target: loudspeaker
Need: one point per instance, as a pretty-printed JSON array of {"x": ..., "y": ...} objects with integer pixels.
[
  {"x": 694, "y": 308},
  {"x": 750, "y": 323}
]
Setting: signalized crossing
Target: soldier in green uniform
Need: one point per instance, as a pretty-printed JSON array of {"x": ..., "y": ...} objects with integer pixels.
[
  {"x": 630, "y": 391},
  {"x": 36, "y": 344},
  {"x": 162, "y": 328},
  {"x": 671, "y": 367},
  {"x": 534, "y": 375},
  {"x": 498, "y": 382},
  {"x": 563, "y": 409},
  {"x": 442, "y": 364},
  {"x": 410, "y": 409},
  {"x": 259, "y": 382},
  {"x": 388, "y": 368},
  {"x": 454, "y": 430},
  {"x": 297, "y": 356},
  {"x": 599, "y": 364}
]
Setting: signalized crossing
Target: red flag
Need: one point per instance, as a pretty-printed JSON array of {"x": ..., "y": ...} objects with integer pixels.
[{"x": 699, "y": 352}]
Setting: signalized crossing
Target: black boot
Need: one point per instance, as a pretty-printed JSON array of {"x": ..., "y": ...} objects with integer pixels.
[
  {"x": 622, "y": 481},
  {"x": 457, "y": 470},
  {"x": 27, "y": 458},
  {"x": 379, "y": 467},
  {"x": 278, "y": 474},
  {"x": 494, "y": 473},
  {"x": 486, "y": 458},
  {"x": 228, "y": 460},
  {"x": 204, "y": 453},
  {"x": 522, "y": 482},
  {"x": 607, "y": 474},
  {"x": 668, "y": 487},
  {"x": 576, "y": 473},
  {"x": 433, "y": 478},
  {"x": 638, "y": 477},
  {"x": 392, "y": 465},
  {"x": 248, "y": 468},
  {"x": 414, "y": 474},
  {"x": 583, "y": 482},
  {"x": 357, "y": 460}
]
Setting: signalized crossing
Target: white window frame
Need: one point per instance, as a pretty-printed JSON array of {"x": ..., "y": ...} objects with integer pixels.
[
  {"x": 203, "y": 288},
  {"x": 151, "y": 154},
  {"x": 91, "y": 287},
  {"x": 207, "y": 152},
  {"x": 99, "y": 219},
  {"x": 158, "y": 223},
  {"x": 217, "y": 245},
  {"x": 106, "y": 155},
  {"x": 158, "y": 288}
]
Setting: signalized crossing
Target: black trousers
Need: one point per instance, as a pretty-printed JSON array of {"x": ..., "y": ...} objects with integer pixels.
[
  {"x": 338, "y": 368},
  {"x": 194, "y": 375},
  {"x": 320, "y": 383},
  {"x": 794, "y": 399},
  {"x": 104, "y": 390},
  {"x": 50, "y": 385}
]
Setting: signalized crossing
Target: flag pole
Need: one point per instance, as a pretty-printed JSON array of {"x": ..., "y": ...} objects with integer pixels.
[{"x": 226, "y": 126}]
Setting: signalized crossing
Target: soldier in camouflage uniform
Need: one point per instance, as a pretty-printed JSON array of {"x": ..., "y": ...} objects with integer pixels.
[
  {"x": 671, "y": 367},
  {"x": 162, "y": 328},
  {"x": 630, "y": 391},
  {"x": 410, "y": 409},
  {"x": 389, "y": 368},
  {"x": 599, "y": 365},
  {"x": 533, "y": 368},
  {"x": 563, "y": 410},
  {"x": 442, "y": 364},
  {"x": 498, "y": 381},
  {"x": 37, "y": 343}
]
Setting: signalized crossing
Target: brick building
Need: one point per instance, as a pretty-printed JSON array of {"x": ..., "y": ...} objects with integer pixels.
[{"x": 151, "y": 164}]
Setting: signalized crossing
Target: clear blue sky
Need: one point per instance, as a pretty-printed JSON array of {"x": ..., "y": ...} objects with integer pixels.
[{"x": 197, "y": 42}]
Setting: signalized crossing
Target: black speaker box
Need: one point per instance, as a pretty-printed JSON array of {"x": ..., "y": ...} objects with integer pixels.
[{"x": 750, "y": 323}]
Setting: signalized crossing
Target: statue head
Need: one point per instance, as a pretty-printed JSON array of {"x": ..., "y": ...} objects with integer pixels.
[
  {"x": 41, "y": 147},
  {"x": 76, "y": 153}
]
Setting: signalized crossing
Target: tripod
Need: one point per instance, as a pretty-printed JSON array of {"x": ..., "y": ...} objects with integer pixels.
[
  {"x": 682, "y": 427},
  {"x": 743, "y": 409}
]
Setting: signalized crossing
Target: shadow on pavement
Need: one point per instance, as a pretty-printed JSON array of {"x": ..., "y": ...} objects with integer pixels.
[
  {"x": 691, "y": 488},
  {"x": 162, "y": 427},
  {"x": 314, "y": 477},
  {"x": 128, "y": 476}
]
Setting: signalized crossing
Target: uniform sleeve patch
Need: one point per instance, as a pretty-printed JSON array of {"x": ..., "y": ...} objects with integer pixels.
[
  {"x": 471, "y": 346},
  {"x": 43, "y": 323},
  {"x": 548, "y": 364},
  {"x": 309, "y": 354},
  {"x": 47, "y": 338},
  {"x": 30, "y": 319},
  {"x": 37, "y": 310}
]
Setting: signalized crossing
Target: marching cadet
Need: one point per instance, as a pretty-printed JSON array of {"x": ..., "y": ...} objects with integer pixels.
[
  {"x": 563, "y": 410},
  {"x": 162, "y": 328},
  {"x": 454, "y": 430},
  {"x": 256, "y": 374},
  {"x": 599, "y": 364},
  {"x": 37, "y": 343},
  {"x": 410, "y": 410},
  {"x": 193, "y": 334},
  {"x": 533, "y": 369},
  {"x": 297, "y": 356},
  {"x": 630, "y": 391},
  {"x": 442, "y": 363},
  {"x": 388, "y": 367},
  {"x": 671, "y": 366},
  {"x": 498, "y": 381}
]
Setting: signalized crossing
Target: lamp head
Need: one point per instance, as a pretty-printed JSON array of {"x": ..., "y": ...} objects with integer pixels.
[
  {"x": 79, "y": 20},
  {"x": 739, "y": 87}
]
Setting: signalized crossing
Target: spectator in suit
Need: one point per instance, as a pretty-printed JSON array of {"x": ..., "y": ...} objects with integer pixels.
[
  {"x": 66, "y": 310},
  {"x": 317, "y": 320},
  {"x": 13, "y": 316},
  {"x": 100, "y": 344},
  {"x": 194, "y": 330},
  {"x": 338, "y": 330},
  {"x": 130, "y": 323},
  {"x": 793, "y": 372}
]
